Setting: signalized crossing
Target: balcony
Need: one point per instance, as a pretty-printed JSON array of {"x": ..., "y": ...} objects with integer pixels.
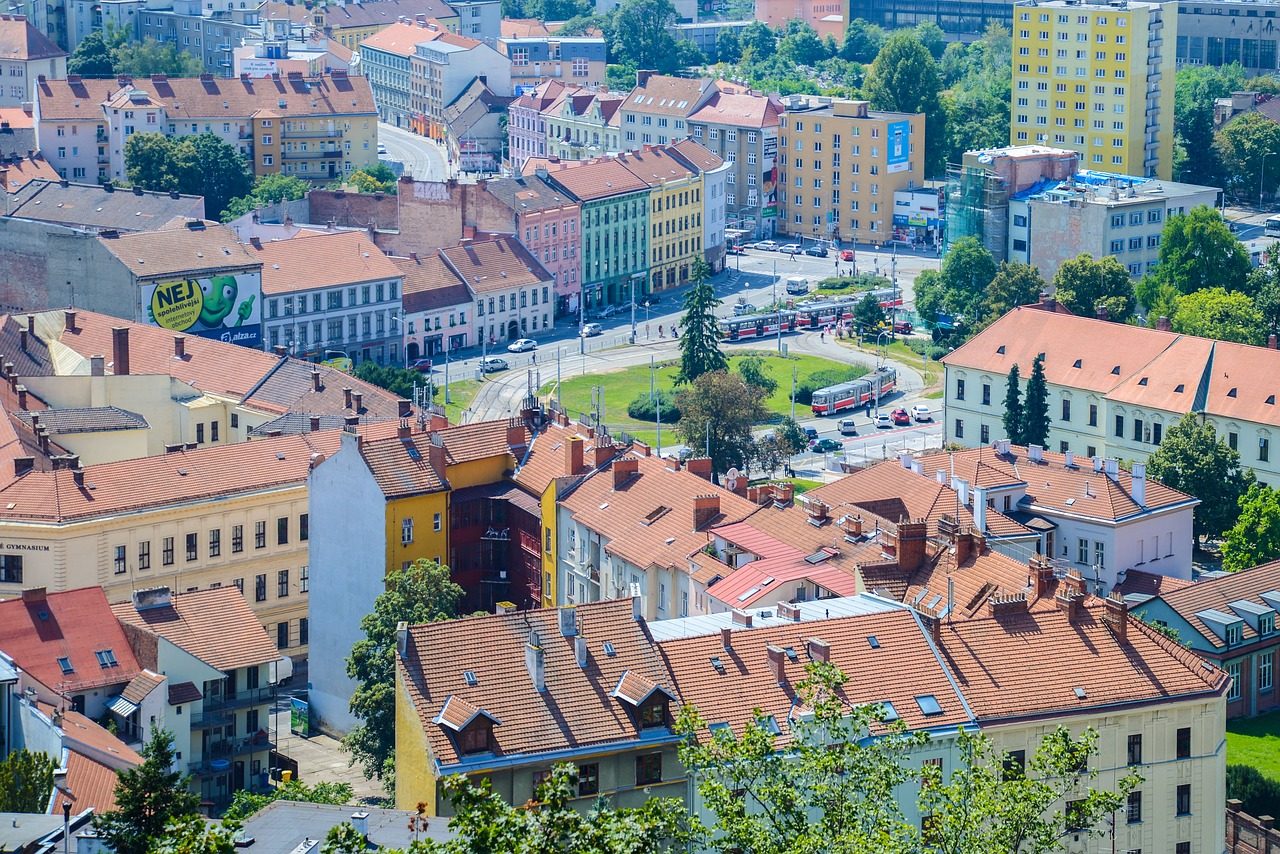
[
  {"x": 218, "y": 756},
  {"x": 1153, "y": 77},
  {"x": 240, "y": 699},
  {"x": 103, "y": 160},
  {"x": 213, "y": 718},
  {"x": 310, "y": 155},
  {"x": 102, "y": 136},
  {"x": 311, "y": 134}
]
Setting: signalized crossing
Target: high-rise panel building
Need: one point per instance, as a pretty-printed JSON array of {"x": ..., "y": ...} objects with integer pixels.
[{"x": 1096, "y": 78}]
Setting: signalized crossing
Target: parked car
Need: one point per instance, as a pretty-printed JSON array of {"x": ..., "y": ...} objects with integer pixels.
[
  {"x": 790, "y": 249},
  {"x": 811, "y": 433},
  {"x": 489, "y": 364},
  {"x": 883, "y": 420},
  {"x": 521, "y": 345},
  {"x": 742, "y": 308},
  {"x": 737, "y": 249},
  {"x": 816, "y": 250},
  {"x": 902, "y": 327},
  {"x": 920, "y": 412},
  {"x": 767, "y": 245},
  {"x": 590, "y": 330},
  {"x": 382, "y": 149},
  {"x": 608, "y": 311},
  {"x": 421, "y": 365},
  {"x": 846, "y": 255},
  {"x": 847, "y": 427},
  {"x": 900, "y": 416},
  {"x": 827, "y": 446},
  {"x": 651, "y": 299}
]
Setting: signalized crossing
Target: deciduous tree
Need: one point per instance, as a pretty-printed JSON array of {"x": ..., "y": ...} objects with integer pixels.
[
  {"x": 92, "y": 58},
  {"x": 418, "y": 593},
  {"x": 1195, "y": 89},
  {"x": 1035, "y": 407},
  {"x": 1255, "y": 537},
  {"x": 1082, "y": 284},
  {"x": 1221, "y": 315},
  {"x": 1014, "y": 284},
  {"x": 720, "y": 408},
  {"x": 1192, "y": 459},
  {"x": 728, "y": 46},
  {"x": 245, "y": 803},
  {"x": 641, "y": 35},
  {"x": 193, "y": 834},
  {"x": 148, "y": 57},
  {"x": 868, "y": 313},
  {"x": 1198, "y": 251},
  {"x": 862, "y": 41},
  {"x": 904, "y": 78},
  {"x": 148, "y": 797},
  {"x": 1243, "y": 145},
  {"x": 1012, "y": 417},
  {"x": 754, "y": 372},
  {"x": 700, "y": 331},
  {"x": 267, "y": 190},
  {"x": 26, "y": 781}
]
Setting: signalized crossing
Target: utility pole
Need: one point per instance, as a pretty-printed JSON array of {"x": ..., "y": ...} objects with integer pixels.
[
  {"x": 893, "y": 302},
  {"x": 447, "y": 401},
  {"x": 656, "y": 395},
  {"x": 559, "y": 353},
  {"x": 633, "y": 309},
  {"x": 793, "y": 393}
]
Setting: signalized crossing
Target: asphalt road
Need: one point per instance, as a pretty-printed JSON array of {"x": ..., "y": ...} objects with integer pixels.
[{"x": 422, "y": 158}]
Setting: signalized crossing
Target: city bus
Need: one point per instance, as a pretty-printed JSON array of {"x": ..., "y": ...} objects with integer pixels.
[
  {"x": 1272, "y": 227},
  {"x": 873, "y": 387},
  {"x": 757, "y": 325}
]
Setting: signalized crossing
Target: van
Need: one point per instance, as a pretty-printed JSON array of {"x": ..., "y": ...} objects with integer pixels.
[
  {"x": 797, "y": 286},
  {"x": 847, "y": 428}
]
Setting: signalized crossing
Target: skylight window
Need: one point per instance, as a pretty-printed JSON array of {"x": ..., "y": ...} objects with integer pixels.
[
  {"x": 716, "y": 664},
  {"x": 929, "y": 705},
  {"x": 1079, "y": 692},
  {"x": 1078, "y": 363},
  {"x": 791, "y": 654},
  {"x": 106, "y": 658},
  {"x": 1179, "y": 389},
  {"x": 769, "y": 724},
  {"x": 65, "y": 664},
  {"x": 720, "y": 730},
  {"x": 609, "y": 650},
  {"x": 1116, "y": 370},
  {"x": 470, "y": 678},
  {"x": 1000, "y": 349},
  {"x": 873, "y": 641},
  {"x": 888, "y": 713}
]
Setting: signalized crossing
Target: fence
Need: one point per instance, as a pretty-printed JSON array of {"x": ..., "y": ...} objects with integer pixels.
[{"x": 1249, "y": 835}]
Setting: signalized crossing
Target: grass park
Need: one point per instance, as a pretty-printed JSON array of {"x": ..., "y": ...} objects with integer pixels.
[
  {"x": 1255, "y": 742},
  {"x": 625, "y": 385}
]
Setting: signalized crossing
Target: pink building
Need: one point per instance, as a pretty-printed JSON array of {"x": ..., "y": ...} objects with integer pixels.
[
  {"x": 527, "y": 125},
  {"x": 547, "y": 223}
]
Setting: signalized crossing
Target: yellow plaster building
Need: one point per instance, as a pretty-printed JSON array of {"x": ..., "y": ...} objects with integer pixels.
[
  {"x": 1099, "y": 79},
  {"x": 675, "y": 214}
]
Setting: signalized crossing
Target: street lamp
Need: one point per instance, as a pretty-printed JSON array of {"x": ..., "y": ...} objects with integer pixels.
[{"x": 1262, "y": 177}]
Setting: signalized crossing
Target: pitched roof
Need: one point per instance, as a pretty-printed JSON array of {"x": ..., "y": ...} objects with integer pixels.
[
  {"x": 87, "y": 420},
  {"x": 99, "y": 207},
  {"x": 654, "y": 165},
  {"x": 898, "y": 667},
  {"x": 515, "y": 28},
  {"x": 21, "y": 41},
  {"x": 21, "y": 170},
  {"x": 472, "y": 104},
  {"x": 196, "y": 245},
  {"x": 696, "y": 155},
  {"x": 142, "y": 686},
  {"x": 73, "y": 99},
  {"x": 1030, "y": 664},
  {"x": 402, "y": 466},
  {"x": 576, "y": 709},
  {"x": 542, "y": 95},
  {"x": 89, "y": 783},
  {"x": 38, "y": 628},
  {"x": 739, "y": 110},
  {"x": 649, "y": 516},
  {"x": 1140, "y": 583},
  {"x": 183, "y": 692},
  {"x": 289, "y": 388},
  {"x": 402, "y": 38},
  {"x": 664, "y": 95},
  {"x": 547, "y": 458},
  {"x": 320, "y": 260},
  {"x": 1219, "y": 593},
  {"x": 594, "y": 179},
  {"x": 283, "y": 826},
  {"x": 495, "y": 265},
  {"x": 358, "y": 15},
  {"x": 216, "y": 625},
  {"x": 528, "y": 194},
  {"x": 430, "y": 284}
]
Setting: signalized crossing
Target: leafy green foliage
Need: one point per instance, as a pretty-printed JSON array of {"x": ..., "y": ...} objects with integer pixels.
[
  {"x": 419, "y": 593},
  {"x": 201, "y": 165},
  {"x": 26, "y": 781},
  {"x": 193, "y": 835},
  {"x": 1255, "y": 537},
  {"x": 700, "y": 333},
  {"x": 960, "y": 289},
  {"x": 149, "y": 57},
  {"x": 1243, "y": 146},
  {"x": 721, "y": 406},
  {"x": 1035, "y": 407},
  {"x": 485, "y": 822},
  {"x": 343, "y": 839},
  {"x": 1014, "y": 284},
  {"x": 1260, "y": 794},
  {"x": 728, "y": 46},
  {"x": 398, "y": 381},
  {"x": 1012, "y": 417},
  {"x": 641, "y": 38},
  {"x": 868, "y": 313},
  {"x": 1082, "y": 284},
  {"x": 378, "y": 178},
  {"x": 801, "y": 45},
  {"x": 862, "y": 41},
  {"x": 1195, "y": 88},
  {"x": 267, "y": 190},
  {"x": 245, "y": 803},
  {"x": 92, "y": 58},
  {"x": 1221, "y": 315},
  {"x": 147, "y": 799},
  {"x": 753, "y": 371},
  {"x": 904, "y": 78},
  {"x": 789, "y": 435},
  {"x": 1197, "y": 251},
  {"x": 644, "y": 409},
  {"x": 1194, "y": 460}
]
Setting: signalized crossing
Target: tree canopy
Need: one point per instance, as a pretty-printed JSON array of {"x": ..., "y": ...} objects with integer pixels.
[
  {"x": 1192, "y": 459},
  {"x": 1014, "y": 284},
  {"x": 26, "y": 781},
  {"x": 862, "y": 41},
  {"x": 719, "y": 408},
  {"x": 1198, "y": 251},
  {"x": 641, "y": 35},
  {"x": 961, "y": 287},
  {"x": 1012, "y": 417},
  {"x": 1083, "y": 284},
  {"x": 92, "y": 58},
  {"x": 1221, "y": 315},
  {"x": 1255, "y": 537},
  {"x": 267, "y": 190},
  {"x": 201, "y": 165},
  {"x": 1245, "y": 146},
  {"x": 1035, "y": 407},
  {"x": 419, "y": 593},
  {"x": 245, "y": 803},
  {"x": 147, "y": 799},
  {"x": 1195, "y": 88},
  {"x": 700, "y": 331},
  {"x": 904, "y": 78}
]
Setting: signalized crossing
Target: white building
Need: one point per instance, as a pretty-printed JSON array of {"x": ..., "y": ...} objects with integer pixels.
[
  {"x": 437, "y": 308},
  {"x": 514, "y": 293},
  {"x": 26, "y": 54},
  {"x": 715, "y": 177}
]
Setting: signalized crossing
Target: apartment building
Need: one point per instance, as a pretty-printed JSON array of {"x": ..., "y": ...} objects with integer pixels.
[
  {"x": 354, "y": 23},
  {"x": 501, "y": 273},
  {"x": 715, "y": 181},
  {"x": 331, "y": 294},
  {"x": 582, "y": 124},
  {"x": 212, "y": 35},
  {"x": 385, "y": 59},
  {"x": 25, "y": 55},
  {"x": 840, "y": 163},
  {"x": 210, "y": 654},
  {"x": 436, "y": 304},
  {"x": 1223, "y": 32},
  {"x": 527, "y": 125},
  {"x": 537, "y": 59},
  {"x": 742, "y": 130},
  {"x": 1110, "y": 94},
  {"x": 657, "y": 110},
  {"x": 548, "y": 222},
  {"x": 675, "y": 213},
  {"x": 442, "y": 70}
]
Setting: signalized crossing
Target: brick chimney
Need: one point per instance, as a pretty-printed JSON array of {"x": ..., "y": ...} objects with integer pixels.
[
  {"x": 1163, "y": 324},
  {"x": 1012, "y": 603},
  {"x": 912, "y": 538},
  {"x": 778, "y": 663},
  {"x": 1070, "y": 602},
  {"x": 1041, "y": 576},
  {"x": 315, "y": 423},
  {"x": 1102, "y": 312},
  {"x": 357, "y": 400},
  {"x": 403, "y": 430},
  {"x": 34, "y": 594},
  {"x": 573, "y": 448},
  {"x": 438, "y": 421},
  {"x": 819, "y": 650},
  {"x": 705, "y": 508},
  {"x": 623, "y": 469},
  {"x": 701, "y": 466},
  {"x": 315, "y": 379},
  {"x": 120, "y": 349},
  {"x": 515, "y": 433},
  {"x": 726, "y": 637},
  {"x": 437, "y": 456},
  {"x": 740, "y": 617},
  {"x": 817, "y": 511},
  {"x": 346, "y": 397},
  {"x": 964, "y": 545},
  {"x": 70, "y": 316},
  {"x": 600, "y": 453},
  {"x": 1116, "y": 616},
  {"x": 404, "y": 408},
  {"x": 22, "y": 396},
  {"x": 179, "y": 346}
]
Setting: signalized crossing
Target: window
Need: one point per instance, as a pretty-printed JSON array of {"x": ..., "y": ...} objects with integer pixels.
[
  {"x": 406, "y": 531},
  {"x": 1120, "y": 426},
  {"x": 475, "y": 739},
  {"x": 1264, "y": 672},
  {"x": 653, "y": 713},
  {"x": 200, "y": 434},
  {"x": 984, "y": 434},
  {"x": 1015, "y": 764},
  {"x": 237, "y": 538},
  {"x": 1183, "y": 743},
  {"x": 435, "y": 522},
  {"x": 193, "y": 546},
  {"x": 304, "y": 527},
  {"x": 1183, "y": 848},
  {"x": 282, "y": 530},
  {"x": 282, "y": 584},
  {"x": 65, "y": 664},
  {"x": 106, "y": 658},
  {"x": 1233, "y": 440},
  {"x": 166, "y": 551},
  {"x": 959, "y": 389},
  {"x": 1264, "y": 449},
  {"x": 260, "y": 535},
  {"x": 1075, "y": 815},
  {"x": 1093, "y": 415},
  {"x": 986, "y": 394},
  {"x": 304, "y": 579},
  {"x": 648, "y": 769},
  {"x": 1233, "y": 670},
  {"x": 1099, "y": 554},
  {"x": 588, "y": 779},
  {"x": 1235, "y": 634},
  {"x": 304, "y": 631},
  {"x": 260, "y": 588},
  {"x": 121, "y": 561},
  {"x": 1066, "y": 410},
  {"x": 1082, "y": 551},
  {"x": 1133, "y": 810},
  {"x": 144, "y": 555},
  {"x": 1183, "y": 806},
  {"x": 282, "y": 635},
  {"x": 959, "y": 429},
  {"x": 215, "y": 542},
  {"x": 1135, "y": 749}
]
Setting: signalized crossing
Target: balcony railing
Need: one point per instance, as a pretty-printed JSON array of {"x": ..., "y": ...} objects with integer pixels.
[
  {"x": 310, "y": 155},
  {"x": 250, "y": 697},
  {"x": 311, "y": 134},
  {"x": 224, "y": 751},
  {"x": 213, "y": 718}
]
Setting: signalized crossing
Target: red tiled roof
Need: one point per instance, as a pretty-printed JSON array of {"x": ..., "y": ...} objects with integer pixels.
[
  {"x": 493, "y": 265},
  {"x": 592, "y": 179},
  {"x": 429, "y": 284},
  {"x": 736, "y": 110},
  {"x": 318, "y": 260},
  {"x": 151, "y": 254},
  {"x": 74, "y": 624},
  {"x": 515, "y": 28},
  {"x": 20, "y": 173},
  {"x": 216, "y": 625},
  {"x": 1218, "y": 593},
  {"x": 184, "y": 692},
  {"x": 669, "y": 96},
  {"x": 89, "y": 784},
  {"x": 21, "y": 41},
  {"x": 141, "y": 686},
  {"x": 359, "y": 15},
  {"x": 547, "y": 458},
  {"x": 403, "y": 38}
]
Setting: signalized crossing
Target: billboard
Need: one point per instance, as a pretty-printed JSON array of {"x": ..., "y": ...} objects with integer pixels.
[
  {"x": 227, "y": 308},
  {"x": 769, "y": 194},
  {"x": 255, "y": 67},
  {"x": 899, "y": 152}
]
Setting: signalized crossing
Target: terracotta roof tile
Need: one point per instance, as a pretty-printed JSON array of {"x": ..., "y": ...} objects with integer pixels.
[
  {"x": 593, "y": 179},
  {"x": 21, "y": 41},
  {"x": 1139, "y": 582},
  {"x": 73, "y": 625},
  {"x": 493, "y": 265},
  {"x": 481, "y": 440},
  {"x": 972, "y": 582},
  {"x": 401, "y": 38},
  {"x": 670, "y": 96},
  {"x": 184, "y": 692},
  {"x": 23, "y": 170},
  {"x": 738, "y": 110},
  {"x": 1218, "y": 593},
  {"x": 216, "y": 625},
  {"x": 178, "y": 250},
  {"x": 89, "y": 784},
  {"x": 575, "y": 710},
  {"x": 141, "y": 686},
  {"x": 372, "y": 14},
  {"x": 318, "y": 260},
  {"x": 430, "y": 284},
  {"x": 516, "y": 28},
  {"x": 402, "y": 467},
  {"x": 87, "y": 420},
  {"x": 547, "y": 458}
]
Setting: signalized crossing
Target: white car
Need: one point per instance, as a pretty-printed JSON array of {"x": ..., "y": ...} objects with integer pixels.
[
  {"x": 590, "y": 330},
  {"x": 382, "y": 149},
  {"x": 489, "y": 364},
  {"x": 790, "y": 249},
  {"x": 767, "y": 245},
  {"x": 883, "y": 420},
  {"x": 521, "y": 345},
  {"x": 920, "y": 412},
  {"x": 742, "y": 308}
]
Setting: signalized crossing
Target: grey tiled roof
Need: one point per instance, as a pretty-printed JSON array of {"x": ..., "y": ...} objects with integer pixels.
[
  {"x": 95, "y": 207},
  {"x": 86, "y": 420}
]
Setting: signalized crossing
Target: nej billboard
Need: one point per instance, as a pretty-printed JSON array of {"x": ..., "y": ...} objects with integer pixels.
[{"x": 227, "y": 308}]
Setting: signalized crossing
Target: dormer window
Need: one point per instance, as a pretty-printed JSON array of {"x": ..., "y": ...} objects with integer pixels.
[
  {"x": 1235, "y": 633},
  {"x": 476, "y": 739},
  {"x": 470, "y": 728},
  {"x": 1266, "y": 624},
  {"x": 647, "y": 702},
  {"x": 653, "y": 712}
]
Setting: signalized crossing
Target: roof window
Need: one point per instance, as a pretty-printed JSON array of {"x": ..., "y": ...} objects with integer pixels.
[
  {"x": 65, "y": 664},
  {"x": 609, "y": 650},
  {"x": 1000, "y": 349},
  {"x": 1077, "y": 364},
  {"x": 1271, "y": 399},
  {"x": 873, "y": 641},
  {"x": 769, "y": 724},
  {"x": 106, "y": 658},
  {"x": 1179, "y": 389},
  {"x": 469, "y": 677},
  {"x": 888, "y": 713},
  {"x": 929, "y": 705},
  {"x": 1116, "y": 370},
  {"x": 1080, "y": 695},
  {"x": 1231, "y": 393},
  {"x": 1142, "y": 381},
  {"x": 716, "y": 664}
]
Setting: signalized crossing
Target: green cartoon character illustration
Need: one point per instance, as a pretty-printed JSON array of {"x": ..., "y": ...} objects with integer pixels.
[{"x": 219, "y": 299}]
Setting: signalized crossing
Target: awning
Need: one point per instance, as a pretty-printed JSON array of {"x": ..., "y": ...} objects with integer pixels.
[{"x": 122, "y": 707}]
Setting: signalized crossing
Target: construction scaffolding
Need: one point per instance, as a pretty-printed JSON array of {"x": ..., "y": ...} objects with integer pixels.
[{"x": 978, "y": 206}]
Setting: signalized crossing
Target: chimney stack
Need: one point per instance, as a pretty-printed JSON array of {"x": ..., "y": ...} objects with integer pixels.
[
  {"x": 912, "y": 539},
  {"x": 701, "y": 466},
  {"x": 535, "y": 662},
  {"x": 573, "y": 455},
  {"x": 580, "y": 650},
  {"x": 179, "y": 346},
  {"x": 820, "y": 650},
  {"x": 1117, "y": 616},
  {"x": 740, "y": 617},
  {"x": 437, "y": 455},
  {"x": 1101, "y": 310},
  {"x": 705, "y": 508},
  {"x": 1271, "y": 341},
  {"x": 980, "y": 509},
  {"x": 97, "y": 366},
  {"x": 120, "y": 350},
  {"x": 346, "y": 397},
  {"x": 726, "y": 638},
  {"x": 22, "y": 396},
  {"x": 515, "y": 433},
  {"x": 1041, "y": 576},
  {"x": 70, "y": 316},
  {"x": 315, "y": 379},
  {"x": 1163, "y": 324},
  {"x": 623, "y": 469},
  {"x": 315, "y": 423},
  {"x": 357, "y": 400},
  {"x": 403, "y": 430},
  {"x": 778, "y": 663},
  {"x": 964, "y": 545},
  {"x": 404, "y": 409},
  {"x": 1138, "y": 488}
]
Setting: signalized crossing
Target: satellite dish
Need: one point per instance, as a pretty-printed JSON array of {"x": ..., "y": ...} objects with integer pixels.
[{"x": 731, "y": 479}]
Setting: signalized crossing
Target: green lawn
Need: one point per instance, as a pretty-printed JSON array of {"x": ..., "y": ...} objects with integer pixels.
[
  {"x": 623, "y": 386},
  {"x": 1256, "y": 742},
  {"x": 900, "y": 352},
  {"x": 461, "y": 393}
]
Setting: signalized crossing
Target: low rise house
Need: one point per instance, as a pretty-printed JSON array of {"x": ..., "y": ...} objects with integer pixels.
[
  {"x": 511, "y": 287},
  {"x": 583, "y": 123},
  {"x": 436, "y": 305},
  {"x": 26, "y": 54}
]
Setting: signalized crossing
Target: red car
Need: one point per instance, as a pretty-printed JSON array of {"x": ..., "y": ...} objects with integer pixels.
[
  {"x": 903, "y": 328},
  {"x": 421, "y": 365},
  {"x": 900, "y": 416},
  {"x": 846, "y": 254}
]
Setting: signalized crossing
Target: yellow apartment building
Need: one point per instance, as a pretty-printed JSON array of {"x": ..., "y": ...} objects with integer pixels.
[
  {"x": 675, "y": 214},
  {"x": 1097, "y": 78},
  {"x": 840, "y": 162}
]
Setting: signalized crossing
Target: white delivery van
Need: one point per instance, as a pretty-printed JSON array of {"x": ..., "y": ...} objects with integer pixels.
[{"x": 797, "y": 285}]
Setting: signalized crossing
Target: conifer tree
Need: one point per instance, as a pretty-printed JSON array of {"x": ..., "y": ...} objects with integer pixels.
[
  {"x": 1035, "y": 407},
  {"x": 1012, "y": 418},
  {"x": 147, "y": 799}
]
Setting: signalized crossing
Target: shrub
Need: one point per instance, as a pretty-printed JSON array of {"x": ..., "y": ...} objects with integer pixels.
[
  {"x": 1260, "y": 795},
  {"x": 642, "y": 408},
  {"x": 935, "y": 353},
  {"x": 821, "y": 379}
]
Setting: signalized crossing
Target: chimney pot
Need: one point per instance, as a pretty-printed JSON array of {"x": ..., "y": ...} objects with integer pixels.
[
  {"x": 535, "y": 662},
  {"x": 120, "y": 349},
  {"x": 357, "y": 400},
  {"x": 1117, "y": 616},
  {"x": 315, "y": 379}
]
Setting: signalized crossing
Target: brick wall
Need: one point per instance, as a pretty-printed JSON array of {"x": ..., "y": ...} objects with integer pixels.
[{"x": 1249, "y": 835}]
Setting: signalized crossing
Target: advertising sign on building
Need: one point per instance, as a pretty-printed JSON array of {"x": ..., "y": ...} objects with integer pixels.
[
  {"x": 899, "y": 153},
  {"x": 770, "y": 194},
  {"x": 769, "y": 148},
  {"x": 256, "y": 67},
  {"x": 227, "y": 308}
]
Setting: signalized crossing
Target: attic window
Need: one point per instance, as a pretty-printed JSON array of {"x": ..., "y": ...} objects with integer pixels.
[
  {"x": 470, "y": 677},
  {"x": 928, "y": 704},
  {"x": 1179, "y": 389},
  {"x": 1000, "y": 349},
  {"x": 1231, "y": 393},
  {"x": 720, "y": 730},
  {"x": 873, "y": 641},
  {"x": 1271, "y": 400},
  {"x": 1116, "y": 370},
  {"x": 1079, "y": 692},
  {"x": 716, "y": 664},
  {"x": 656, "y": 514},
  {"x": 888, "y": 713},
  {"x": 1077, "y": 364},
  {"x": 1142, "y": 381},
  {"x": 106, "y": 658},
  {"x": 65, "y": 664},
  {"x": 609, "y": 650},
  {"x": 769, "y": 724},
  {"x": 791, "y": 654}
]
